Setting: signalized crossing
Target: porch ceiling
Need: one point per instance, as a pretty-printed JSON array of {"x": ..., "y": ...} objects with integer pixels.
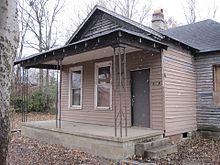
[{"x": 91, "y": 55}]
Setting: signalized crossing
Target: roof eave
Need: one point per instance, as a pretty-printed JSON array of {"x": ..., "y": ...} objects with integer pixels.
[
  {"x": 62, "y": 52},
  {"x": 207, "y": 52},
  {"x": 184, "y": 45}
]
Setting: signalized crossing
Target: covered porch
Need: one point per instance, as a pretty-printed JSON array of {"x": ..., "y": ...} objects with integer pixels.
[
  {"x": 127, "y": 51},
  {"x": 106, "y": 131}
]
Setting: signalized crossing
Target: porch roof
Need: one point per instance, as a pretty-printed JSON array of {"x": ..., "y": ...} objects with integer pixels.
[{"x": 111, "y": 38}]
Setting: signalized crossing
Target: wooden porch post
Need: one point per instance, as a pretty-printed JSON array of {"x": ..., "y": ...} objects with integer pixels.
[
  {"x": 114, "y": 92},
  {"x": 120, "y": 90},
  {"x": 27, "y": 95},
  {"x": 24, "y": 93},
  {"x": 126, "y": 90},
  {"x": 60, "y": 97},
  {"x": 58, "y": 92}
]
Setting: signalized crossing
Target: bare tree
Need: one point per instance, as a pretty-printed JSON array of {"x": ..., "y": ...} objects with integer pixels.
[
  {"x": 171, "y": 23},
  {"x": 40, "y": 20},
  {"x": 212, "y": 10},
  {"x": 23, "y": 25},
  {"x": 192, "y": 11},
  {"x": 8, "y": 43},
  {"x": 134, "y": 9},
  {"x": 81, "y": 12}
]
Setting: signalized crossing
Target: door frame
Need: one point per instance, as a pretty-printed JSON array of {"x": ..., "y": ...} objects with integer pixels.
[{"x": 137, "y": 69}]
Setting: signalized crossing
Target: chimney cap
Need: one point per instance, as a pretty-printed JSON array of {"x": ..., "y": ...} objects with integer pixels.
[{"x": 158, "y": 11}]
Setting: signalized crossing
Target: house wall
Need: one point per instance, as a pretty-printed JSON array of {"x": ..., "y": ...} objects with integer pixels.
[
  {"x": 179, "y": 91},
  {"x": 88, "y": 113},
  {"x": 208, "y": 113}
]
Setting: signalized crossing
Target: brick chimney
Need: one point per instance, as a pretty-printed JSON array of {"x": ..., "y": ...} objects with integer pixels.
[{"x": 158, "y": 22}]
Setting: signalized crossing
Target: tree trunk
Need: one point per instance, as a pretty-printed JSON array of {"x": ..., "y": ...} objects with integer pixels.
[{"x": 9, "y": 32}]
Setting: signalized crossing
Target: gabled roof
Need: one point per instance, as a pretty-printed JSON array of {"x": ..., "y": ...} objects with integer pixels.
[
  {"x": 204, "y": 35},
  {"x": 118, "y": 21}
]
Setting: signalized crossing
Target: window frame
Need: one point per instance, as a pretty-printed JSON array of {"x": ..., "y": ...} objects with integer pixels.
[
  {"x": 214, "y": 78},
  {"x": 97, "y": 66},
  {"x": 72, "y": 69}
]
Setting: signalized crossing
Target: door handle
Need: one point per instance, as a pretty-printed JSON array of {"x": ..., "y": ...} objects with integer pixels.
[{"x": 132, "y": 100}]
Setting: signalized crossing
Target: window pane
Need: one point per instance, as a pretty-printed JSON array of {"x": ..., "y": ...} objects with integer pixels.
[
  {"x": 103, "y": 99},
  {"x": 76, "y": 79},
  {"x": 104, "y": 75},
  {"x": 217, "y": 78},
  {"x": 76, "y": 96}
]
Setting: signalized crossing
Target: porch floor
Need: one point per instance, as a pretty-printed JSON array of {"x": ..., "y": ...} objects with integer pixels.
[
  {"x": 95, "y": 131},
  {"x": 95, "y": 139}
]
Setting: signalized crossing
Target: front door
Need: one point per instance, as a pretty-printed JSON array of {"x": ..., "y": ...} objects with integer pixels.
[{"x": 140, "y": 98}]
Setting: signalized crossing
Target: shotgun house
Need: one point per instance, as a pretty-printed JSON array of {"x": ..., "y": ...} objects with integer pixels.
[{"x": 120, "y": 75}]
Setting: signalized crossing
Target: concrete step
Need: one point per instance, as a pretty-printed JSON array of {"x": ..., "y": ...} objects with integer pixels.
[
  {"x": 162, "y": 151},
  {"x": 140, "y": 148}
]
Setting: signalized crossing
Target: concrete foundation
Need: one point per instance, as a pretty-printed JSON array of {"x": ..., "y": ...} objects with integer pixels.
[{"x": 94, "y": 139}]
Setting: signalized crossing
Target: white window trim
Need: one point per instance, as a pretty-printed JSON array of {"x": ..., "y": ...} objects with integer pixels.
[
  {"x": 98, "y": 65},
  {"x": 78, "y": 68}
]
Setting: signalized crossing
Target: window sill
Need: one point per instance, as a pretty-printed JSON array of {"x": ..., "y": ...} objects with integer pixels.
[
  {"x": 103, "y": 109},
  {"x": 75, "y": 108}
]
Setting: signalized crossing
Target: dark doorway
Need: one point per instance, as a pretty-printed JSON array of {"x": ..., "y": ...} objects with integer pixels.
[{"x": 140, "y": 98}]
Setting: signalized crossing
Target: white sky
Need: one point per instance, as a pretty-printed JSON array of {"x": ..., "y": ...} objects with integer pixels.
[
  {"x": 172, "y": 8},
  {"x": 175, "y": 9}
]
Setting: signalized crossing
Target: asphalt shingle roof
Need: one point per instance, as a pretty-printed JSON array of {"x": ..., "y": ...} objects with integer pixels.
[{"x": 204, "y": 35}]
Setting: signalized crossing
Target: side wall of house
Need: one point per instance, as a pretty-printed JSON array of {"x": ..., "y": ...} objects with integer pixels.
[
  {"x": 208, "y": 114},
  {"x": 179, "y": 91},
  {"x": 88, "y": 113}
]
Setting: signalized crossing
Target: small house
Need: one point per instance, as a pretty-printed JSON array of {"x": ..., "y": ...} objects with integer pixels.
[{"x": 122, "y": 82}]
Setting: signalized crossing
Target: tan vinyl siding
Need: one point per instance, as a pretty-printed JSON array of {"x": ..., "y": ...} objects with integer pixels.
[
  {"x": 179, "y": 92},
  {"x": 88, "y": 113},
  {"x": 153, "y": 62}
]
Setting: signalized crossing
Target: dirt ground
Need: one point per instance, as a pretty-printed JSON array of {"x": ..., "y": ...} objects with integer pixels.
[
  {"x": 26, "y": 151},
  {"x": 15, "y": 118}
]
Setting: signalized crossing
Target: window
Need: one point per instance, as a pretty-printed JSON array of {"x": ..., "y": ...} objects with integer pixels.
[
  {"x": 76, "y": 87},
  {"x": 216, "y": 85},
  {"x": 103, "y": 85},
  {"x": 217, "y": 78}
]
